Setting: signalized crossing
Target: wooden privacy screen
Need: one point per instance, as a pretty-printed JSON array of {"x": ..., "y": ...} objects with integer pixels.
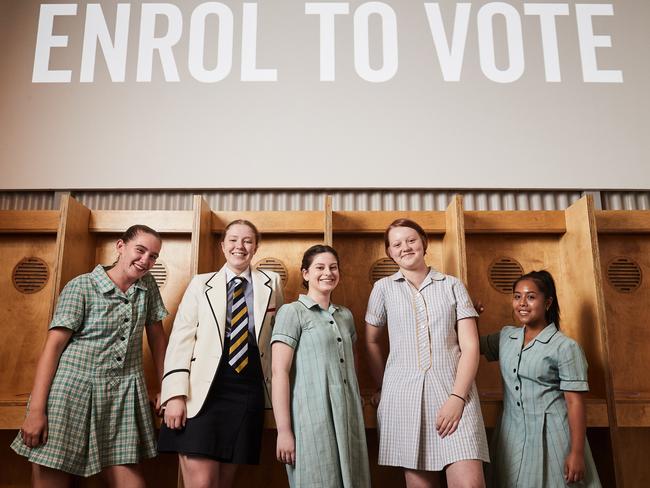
[
  {"x": 624, "y": 241},
  {"x": 595, "y": 257}
]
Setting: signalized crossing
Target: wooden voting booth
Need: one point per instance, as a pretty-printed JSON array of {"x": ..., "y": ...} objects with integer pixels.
[{"x": 597, "y": 258}]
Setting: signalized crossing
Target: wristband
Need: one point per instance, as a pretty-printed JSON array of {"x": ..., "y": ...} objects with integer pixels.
[{"x": 458, "y": 396}]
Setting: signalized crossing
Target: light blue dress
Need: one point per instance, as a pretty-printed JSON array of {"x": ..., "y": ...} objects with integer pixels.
[
  {"x": 532, "y": 441},
  {"x": 326, "y": 414}
]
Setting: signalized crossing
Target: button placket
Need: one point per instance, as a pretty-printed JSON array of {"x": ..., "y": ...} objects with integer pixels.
[{"x": 339, "y": 345}]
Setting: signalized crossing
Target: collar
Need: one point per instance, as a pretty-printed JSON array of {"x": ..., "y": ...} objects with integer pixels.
[
  {"x": 309, "y": 302},
  {"x": 230, "y": 274},
  {"x": 433, "y": 275},
  {"x": 105, "y": 284},
  {"x": 544, "y": 336}
]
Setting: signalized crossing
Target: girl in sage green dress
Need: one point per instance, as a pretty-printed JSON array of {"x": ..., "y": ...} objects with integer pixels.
[
  {"x": 316, "y": 400},
  {"x": 89, "y": 411},
  {"x": 541, "y": 439}
]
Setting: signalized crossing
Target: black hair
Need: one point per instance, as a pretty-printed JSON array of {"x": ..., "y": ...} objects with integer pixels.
[
  {"x": 546, "y": 284},
  {"x": 312, "y": 252}
]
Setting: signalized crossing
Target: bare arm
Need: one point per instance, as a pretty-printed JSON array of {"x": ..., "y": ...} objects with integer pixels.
[
  {"x": 34, "y": 429},
  {"x": 376, "y": 360},
  {"x": 451, "y": 412},
  {"x": 282, "y": 358},
  {"x": 574, "y": 465},
  {"x": 157, "y": 341}
]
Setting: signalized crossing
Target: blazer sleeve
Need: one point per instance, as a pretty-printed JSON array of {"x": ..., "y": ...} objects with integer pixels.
[{"x": 176, "y": 376}]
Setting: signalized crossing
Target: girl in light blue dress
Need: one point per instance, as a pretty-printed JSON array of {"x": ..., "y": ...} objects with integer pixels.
[{"x": 541, "y": 439}]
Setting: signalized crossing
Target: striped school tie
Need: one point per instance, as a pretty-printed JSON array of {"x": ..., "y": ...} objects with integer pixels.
[{"x": 238, "y": 352}]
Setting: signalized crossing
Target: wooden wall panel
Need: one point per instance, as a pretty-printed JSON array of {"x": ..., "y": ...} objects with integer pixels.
[
  {"x": 629, "y": 338},
  {"x": 24, "y": 322},
  {"x": 203, "y": 240},
  {"x": 634, "y": 446},
  {"x": 454, "y": 254}
]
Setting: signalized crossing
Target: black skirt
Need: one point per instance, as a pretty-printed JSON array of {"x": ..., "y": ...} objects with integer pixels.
[{"x": 228, "y": 428}]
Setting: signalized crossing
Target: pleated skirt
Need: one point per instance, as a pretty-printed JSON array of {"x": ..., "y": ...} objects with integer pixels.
[{"x": 228, "y": 428}]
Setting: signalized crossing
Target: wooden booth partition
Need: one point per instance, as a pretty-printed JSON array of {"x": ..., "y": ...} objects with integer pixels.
[
  {"x": 28, "y": 256},
  {"x": 501, "y": 246},
  {"x": 624, "y": 241}
]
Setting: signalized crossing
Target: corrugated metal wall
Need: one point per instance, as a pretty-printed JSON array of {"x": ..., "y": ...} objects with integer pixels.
[{"x": 314, "y": 200}]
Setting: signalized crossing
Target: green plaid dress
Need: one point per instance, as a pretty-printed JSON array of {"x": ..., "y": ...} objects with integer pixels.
[{"x": 98, "y": 410}]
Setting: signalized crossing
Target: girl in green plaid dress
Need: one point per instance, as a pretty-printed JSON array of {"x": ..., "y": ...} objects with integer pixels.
[{"x": 89, "y": 410}]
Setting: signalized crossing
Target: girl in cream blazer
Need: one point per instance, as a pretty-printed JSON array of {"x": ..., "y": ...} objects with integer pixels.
[{"x": 214, "y": 414}]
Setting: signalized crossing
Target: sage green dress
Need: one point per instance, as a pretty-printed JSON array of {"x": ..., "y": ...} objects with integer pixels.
[
  {"x": 98, "y": 409},
  {"x": 326, "y": 413},
  {"x": 532, "y": 440}
]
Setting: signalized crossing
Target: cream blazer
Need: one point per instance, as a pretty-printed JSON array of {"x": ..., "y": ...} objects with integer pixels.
[{"x": 197, "y": 337}]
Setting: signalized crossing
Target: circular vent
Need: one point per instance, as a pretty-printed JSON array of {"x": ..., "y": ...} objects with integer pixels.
[
  {"x": 624, "y": 274},
  {"x": 383, "y": 268},
  {"x": 30, "y": 275},
  {"x": 275, "y": 265},
  {"x": 503, "y": 272},
  {"x": 159, "y": 273}
]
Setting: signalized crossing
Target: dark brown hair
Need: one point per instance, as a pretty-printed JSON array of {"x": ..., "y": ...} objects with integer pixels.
[
  {"x": 311, "y": 253},
  {"x": 411, "y": 225},
  {"x": 134, "y": 230},
  {"x": 247, "y": 223},
  {"x": 544, "y": 281}
]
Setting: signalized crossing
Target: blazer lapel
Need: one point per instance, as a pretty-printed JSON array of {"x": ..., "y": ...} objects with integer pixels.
[
  {"x": 261, "y": 296},
  {"x": 215, "y": 293}
]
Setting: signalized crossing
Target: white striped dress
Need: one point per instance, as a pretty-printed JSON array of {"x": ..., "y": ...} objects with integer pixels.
[{"x": 420, "y": 372}]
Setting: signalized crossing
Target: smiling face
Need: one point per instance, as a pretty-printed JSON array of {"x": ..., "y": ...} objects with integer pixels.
[
  {"x": 530, "y": 304},
  {"x": 239, "y": 246},
  {"x": 322, "y": 276},
  {"x": 406, "y": 248},
  {"x": 137, "y": 256}
]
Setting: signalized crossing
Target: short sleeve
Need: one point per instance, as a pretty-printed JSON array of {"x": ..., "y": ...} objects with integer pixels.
[
  {"x": 572, "y": 367},
  {"x": 464, "y": 305},
  {"x": 287, "y": 327},
  {"x": 70, "y": 307},
  {"x": 155, "y": 307},
  {"x": 490, "y": 346},
  {"x": 376, "y": 311}
]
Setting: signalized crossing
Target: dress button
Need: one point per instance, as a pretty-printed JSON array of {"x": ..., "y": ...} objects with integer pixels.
[
  {"x": 126, "y": 319},
  {"x": 345, "y": 382},
  {"x": 261, "y": 354},
  {"x": 342, "y": 360},
  {"x": 514, "y": 370},
  {"x": 339, "y": 339},
  {"x": 331, "y": 321},
  {"x": 118, "y": 358},
  {"x": 518, "y": 404},
  {"x": 122, "y": 338},
  {"x": 516, "y": 388}
]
